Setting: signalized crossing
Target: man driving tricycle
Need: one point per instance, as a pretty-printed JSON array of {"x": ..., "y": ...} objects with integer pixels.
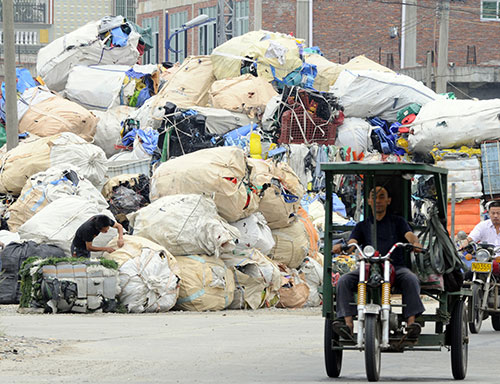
[{"x": 373, "y": 321}]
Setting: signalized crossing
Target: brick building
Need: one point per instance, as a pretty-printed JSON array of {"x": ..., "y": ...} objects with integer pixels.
[{"x": 383, "y": 30}]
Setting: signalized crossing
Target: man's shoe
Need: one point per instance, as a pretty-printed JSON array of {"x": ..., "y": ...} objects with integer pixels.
[
  {"x": 342, "y": 329},
  {"x": 413, "y": 330}
]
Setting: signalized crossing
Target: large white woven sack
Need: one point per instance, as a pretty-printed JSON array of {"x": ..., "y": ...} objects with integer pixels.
[
  {"x": 453, "y": 123},
  {"x": 96, "y": 87},
  {"x": 257, "y": 278},
  {"x": 206, "y": 284},
  {"x": 23, "y": 161},
  {"x": 219, "y": 172},
  {"x": 148, "y": 275},
  {"x": 189, "y": 86},
  {"x": 281, "y": 191},
  {"x": 292, "y": 244},
  {"x": 108, "y": 130},
  {"x": 372, "y": 93},
  {"x": 466, "y": 175},
  {"x": 44, "y": 187},
  {"x": 184, "y": 225},
  {"x": 82, "y": 47},
  {"x": 255, "y": 233},
  {"x": 58, "y": 222},
  {"x": 312, "y": 272}
]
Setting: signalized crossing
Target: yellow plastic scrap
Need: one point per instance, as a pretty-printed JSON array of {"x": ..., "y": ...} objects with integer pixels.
[
  {"x": 439, "y": 154},
  {"x": 403, "y": 143}
]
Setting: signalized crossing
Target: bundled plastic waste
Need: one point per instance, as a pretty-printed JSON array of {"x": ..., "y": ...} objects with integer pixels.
[
  {"x": 257, "y": 278},
  {"x": 38, "y": 155},
  {"x": 185, "y": 225},
  {"x": 44, "y": 187},
  {"x": 148, "y": 275},
  {"x": 206, "y": 284},
  {"x": 111, "y": 40},
  {"x": 221, "y": 172}
]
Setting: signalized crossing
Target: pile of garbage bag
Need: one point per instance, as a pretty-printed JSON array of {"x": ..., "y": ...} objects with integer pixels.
[{"x": 212, "y": 167}]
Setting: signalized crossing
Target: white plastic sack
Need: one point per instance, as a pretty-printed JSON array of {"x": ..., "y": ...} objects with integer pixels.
[
  {"x": 355, "y": 133},
  {"x": 313, "y": 276},
  {"x": 185, "y": 225},
  {"x": 453, "y": 123},
  {"x": 148, "y": 275},
  {"x": 58, "y": 222},
  {"x": 45, "y": 187},
  {"x": 466, "y": 175},
  {"x": 257, "y": 278},
  {"x": 371, "y": 93},
  {"x": 31, "y": 157},
  {"x": 88, "y": 159},
  {"x": 206, "y": 284},
  {"x": 109, "y": 128},
  {"x": 32, "y": 96},
  {"x": 7, "y": 237},
  {"x": 255, "y": 233},
  {"x": 81, "y": 47},
  {"x": 96, "y": 87}
]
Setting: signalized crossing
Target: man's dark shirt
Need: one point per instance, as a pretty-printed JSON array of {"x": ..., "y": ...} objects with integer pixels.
[
  {"x": 88, "y": 231},
  {"x": 390, "y": 230}
]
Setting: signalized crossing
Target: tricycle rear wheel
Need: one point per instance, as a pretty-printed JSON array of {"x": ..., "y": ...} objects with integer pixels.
[
  {"x": 495, "y": 321},
  {"x": 333, "y": 357},
  {"x": 459, "y": 340},
  {"x": 372, "y": 347}
]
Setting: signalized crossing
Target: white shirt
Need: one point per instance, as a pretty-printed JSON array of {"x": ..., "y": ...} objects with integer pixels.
[{"x": 485, "y": 232}]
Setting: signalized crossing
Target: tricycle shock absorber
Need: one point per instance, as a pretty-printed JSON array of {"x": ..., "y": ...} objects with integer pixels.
[
  {"x": 386, "y": 294},
  {"x": 361, "y": 294}
]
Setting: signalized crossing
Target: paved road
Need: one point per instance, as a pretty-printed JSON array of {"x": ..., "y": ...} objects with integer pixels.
[{"x": 265, "y": 346}]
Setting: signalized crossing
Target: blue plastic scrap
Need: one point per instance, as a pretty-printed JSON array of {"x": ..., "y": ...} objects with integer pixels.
[{"x": 119, "y": 38}]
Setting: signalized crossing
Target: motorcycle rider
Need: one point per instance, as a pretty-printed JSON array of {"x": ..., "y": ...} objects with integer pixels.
[
  {"x": 487, "y": 231},
  {"x": 390, "y": 230}
]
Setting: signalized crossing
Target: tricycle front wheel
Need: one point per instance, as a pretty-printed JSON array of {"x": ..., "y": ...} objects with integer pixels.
[
  {"x": 373, "y": 336},
  {"x": 333, "y": 357},
  {"x": 459, "y": 340}
]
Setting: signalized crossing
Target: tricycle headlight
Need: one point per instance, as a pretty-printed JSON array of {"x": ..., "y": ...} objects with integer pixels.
[
  {"x": 369, "y": 251},
  {"x": 483, "y": 255}
]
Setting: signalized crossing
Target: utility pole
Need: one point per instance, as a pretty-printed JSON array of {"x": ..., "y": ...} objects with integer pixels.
[
  {"x": 409, "y": 34},
  {"x": 11, "y": 128},
  {"x": 442, "y": 59},
  {"x": 428, "y": 70}
]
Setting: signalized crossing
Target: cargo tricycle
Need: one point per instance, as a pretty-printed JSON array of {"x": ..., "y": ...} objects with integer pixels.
[{"x": 379, "y": 326}]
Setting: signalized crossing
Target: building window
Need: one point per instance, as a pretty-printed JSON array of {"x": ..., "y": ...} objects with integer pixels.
[
  {"x": 241, "y": 14},
  {"x": 207, "y": 33},
  {"x": 152, "y": 56},
  {"x": 179, "y": 41},
  {"x": 490, "y": 10},
  {"x": 126, "y": 8}
]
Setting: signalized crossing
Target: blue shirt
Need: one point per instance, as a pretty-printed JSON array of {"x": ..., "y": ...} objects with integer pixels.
[{"x": 390, "y": 230}]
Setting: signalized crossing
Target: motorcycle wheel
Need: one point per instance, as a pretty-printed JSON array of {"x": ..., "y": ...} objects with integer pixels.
[
  {"x": 477, "y": 312},
  {"x": 333, "y": 357},
  {"x": 495, "y": 321},
  {"x": 459, "y": 340},
  {"x": 373, "y": 339}
]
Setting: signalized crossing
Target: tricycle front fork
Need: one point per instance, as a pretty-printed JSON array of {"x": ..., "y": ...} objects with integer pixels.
[{"x": 386, "y": 303}]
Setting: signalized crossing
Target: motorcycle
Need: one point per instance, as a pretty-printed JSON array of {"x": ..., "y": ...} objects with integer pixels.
[{"x": 485, "y": 283}]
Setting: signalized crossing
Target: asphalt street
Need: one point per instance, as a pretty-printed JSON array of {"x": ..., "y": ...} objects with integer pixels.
[{"x": 264, "y": 346}]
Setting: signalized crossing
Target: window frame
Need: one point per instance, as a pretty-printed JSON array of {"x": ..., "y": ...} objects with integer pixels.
[{"x": 497, "y": 18}]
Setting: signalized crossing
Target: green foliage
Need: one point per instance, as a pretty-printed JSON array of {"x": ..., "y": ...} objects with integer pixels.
[{"x": 31, "y": 284}]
